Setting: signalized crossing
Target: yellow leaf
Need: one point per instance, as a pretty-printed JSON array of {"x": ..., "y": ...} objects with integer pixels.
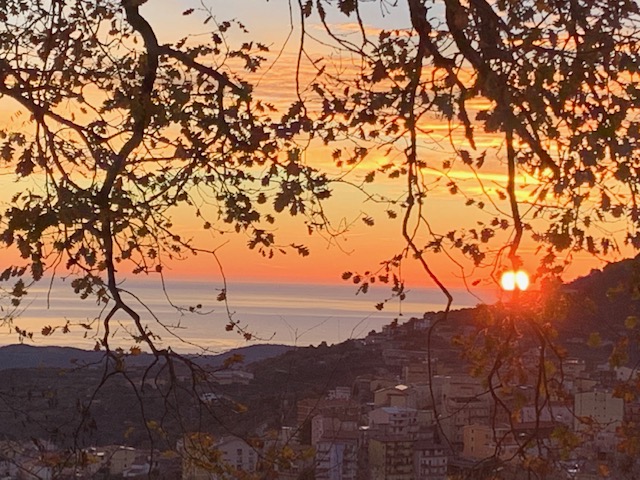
[
  {"x": 630, "y": 322},
  {"x": 240, "y": 408},
  {"x": 594, "y": 340},
  {"x": 603, "y": 470},
  {"x": 233, "y": 359}
]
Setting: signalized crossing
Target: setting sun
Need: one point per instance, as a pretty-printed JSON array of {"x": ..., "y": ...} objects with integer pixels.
[{"x": 514, "y": 280}]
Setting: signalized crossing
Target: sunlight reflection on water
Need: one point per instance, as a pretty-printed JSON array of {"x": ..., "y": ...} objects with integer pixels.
[{"x": 294, "y": 314}]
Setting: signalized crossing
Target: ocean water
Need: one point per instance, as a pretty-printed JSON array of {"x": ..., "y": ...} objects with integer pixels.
[{"x": 293, "y": 314}]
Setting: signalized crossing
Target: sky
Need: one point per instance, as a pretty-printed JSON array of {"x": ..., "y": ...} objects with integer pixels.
[
  {"x": 360, "y": 247},
  {"x": 280, "y": 294}
]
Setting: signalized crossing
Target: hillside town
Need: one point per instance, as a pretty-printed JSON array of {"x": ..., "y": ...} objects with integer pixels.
[
  {"x": 412, "y": 417},
  {"x": 417, "y": 150}
]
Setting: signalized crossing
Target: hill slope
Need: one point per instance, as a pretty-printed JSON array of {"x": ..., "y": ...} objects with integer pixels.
[{"x": 27, "y": 356}]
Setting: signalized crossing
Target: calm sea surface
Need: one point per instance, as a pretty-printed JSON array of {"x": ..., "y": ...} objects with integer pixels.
[{"x": 295, "y": 314}]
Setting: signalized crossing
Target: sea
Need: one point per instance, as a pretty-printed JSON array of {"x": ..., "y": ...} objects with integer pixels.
[{"x": 192, "y": 317}]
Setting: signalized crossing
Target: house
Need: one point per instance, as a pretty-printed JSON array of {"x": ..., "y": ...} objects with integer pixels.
[
  {"x": 35, "y": 469},
  {"x": 146, "y": 465},
  {"x": 216, "y": 398},
  {"x": 552, "y": 412},
  {"x": 207, "y": 458},
  {"x": 417, "y": 373},
  {"x": 399, "y": 357},
  {"x": 574, "y": 368}
]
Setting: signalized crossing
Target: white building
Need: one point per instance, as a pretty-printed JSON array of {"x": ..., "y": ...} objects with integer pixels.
[
  {"x": 203, "y": 459},
  {"x": 597, "y": 411}
]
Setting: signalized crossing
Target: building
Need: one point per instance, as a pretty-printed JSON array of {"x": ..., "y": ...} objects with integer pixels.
[
  {"x": 337, "y": 456},
  {"x": 339, "y": 393},
  {"x": 232, "y": 376},
  {"x": 417, "y": 373},
  {"x": 459, "y": 412},
  {"x": 391, "y": 457},
  {"x": 119, "y": 458},
  {"x": 396, "y": 396},
  {"x": 597, "y": 410},
  {"x": 482, "y": 442},
  {"x": 143, "y": 466},
  {"x": 310, "y": 407},
  {"x": 34, "y": 469},
  {"x": 430, "y": 460},
  {"x": 323, "y": 425},
  {"x": 395, "y": 420},
  {"x": 574, "y": 368},
  {"x": 399, "y": 357},
  {"x": 207, "y": 458},
  {"x": 552, "y": 412},
  {"x": 598, "y": 414}
]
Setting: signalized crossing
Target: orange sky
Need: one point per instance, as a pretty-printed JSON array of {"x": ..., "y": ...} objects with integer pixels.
[{"x": 360, "y": 247}]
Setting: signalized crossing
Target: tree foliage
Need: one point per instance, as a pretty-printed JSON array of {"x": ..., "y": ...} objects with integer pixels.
[
  {"x": 555, "y": 81},
  {"x": 123, "y": 131},
  {"x": 124, "y": 128}
]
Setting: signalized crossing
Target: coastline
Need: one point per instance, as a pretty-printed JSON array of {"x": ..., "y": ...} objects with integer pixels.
[{"x": 289, "y": 314}]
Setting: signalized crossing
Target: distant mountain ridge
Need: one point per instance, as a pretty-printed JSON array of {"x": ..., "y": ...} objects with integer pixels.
[{"x": 29, "y": 356}]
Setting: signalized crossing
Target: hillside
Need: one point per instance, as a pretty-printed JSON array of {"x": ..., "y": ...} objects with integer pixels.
[
  {"x": 43, "y": 388},
  {"x": 22, "y": 356},
  {"x": 603, "y": 300}
]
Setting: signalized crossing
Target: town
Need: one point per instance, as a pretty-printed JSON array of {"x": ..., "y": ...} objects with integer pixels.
[{"x": 399, "y": 404}]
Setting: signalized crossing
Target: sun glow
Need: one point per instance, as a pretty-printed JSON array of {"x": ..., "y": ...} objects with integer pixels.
[{"x": 511, "y": 281}]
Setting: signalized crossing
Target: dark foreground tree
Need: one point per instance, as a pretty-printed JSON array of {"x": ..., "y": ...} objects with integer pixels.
[
  {"x": 120, "y": 130},
  {"x": 556, "y": 82},
  {"x": 124, "y": 129}
]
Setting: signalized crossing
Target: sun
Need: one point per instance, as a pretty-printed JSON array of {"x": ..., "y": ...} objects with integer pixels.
[{"x": 511, "y": 280}]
